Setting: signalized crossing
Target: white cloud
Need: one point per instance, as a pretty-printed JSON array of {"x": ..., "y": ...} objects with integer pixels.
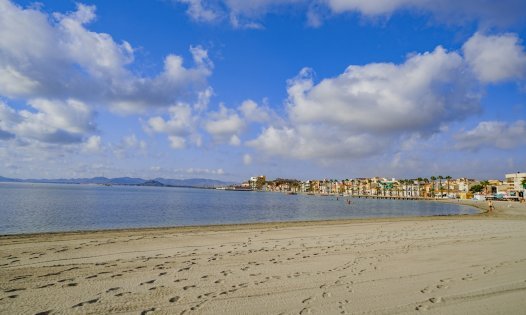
[
  {"x": 203, "y": 98},
  {"x": 496, "y": 58},
  {"x": 495, "y": 134},
  {"x": 247, "y": 13},
  {"x": 247, "y": 159},
  {"x": 192, "y": 170},
  {"x": 488, "y": 13},
  {"x": 384, "y": 97},
  {"x": 180, "y": 126},
  {"x": 225, "y": 126},
  {"x": 131, "y": 142},
  {"x": 93, "y": 144},
  {"x": 129, "y": 146},
  {"x": 252, "y": 112},
  {"x": 61, "y": 122},
  {"x": 241, "y": 14},
  {"x": 181, "y": 121},
  {"x": 199, "y": 12},
  {"x": 177, "y": 142},
  {"x": 234, "y": 140},
  {"x": 368, "y": 109},
  {"x": 45, "y": 56}
]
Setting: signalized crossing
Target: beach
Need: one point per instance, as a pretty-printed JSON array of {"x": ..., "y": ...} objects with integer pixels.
[{"x": 472, "y": 264}]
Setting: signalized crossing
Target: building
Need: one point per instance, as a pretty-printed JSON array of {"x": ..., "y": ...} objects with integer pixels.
[
  {"x": 257, "y": 182},
  {"x": 514, "y": 182}
]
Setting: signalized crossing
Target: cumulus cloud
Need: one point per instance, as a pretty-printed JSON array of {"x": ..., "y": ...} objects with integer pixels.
[
  {"x": 199, "y": 11},
  {"x": 180, "y": 122},
  {"x": 253, "y": 112},
  {"x": 45, "y": 56},
  {"x": 241, "y": 14},
  {"x": 244, "y": 13},
  {"x": 64, "y": 73},
  {"x": 200, "y": 171},
  {"x": 181, "y": 126},
  {"x": 93, "y": 144},
  {"x": 225, "y": 126},
  {"x": 496, "y": 58},
  {"x": 247, "y": 159},
  {"x": 59, "y": 122},
  {"x": 129, "y": 146},
  {"x": 486, "y": 13},
  {"x": 185, "y": 123},
  {"x": 369, "y": 108},
  {"x": 495, "y": 134}
]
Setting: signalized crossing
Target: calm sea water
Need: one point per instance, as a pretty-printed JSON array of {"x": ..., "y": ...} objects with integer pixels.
[{"x": 27, "y": 208}]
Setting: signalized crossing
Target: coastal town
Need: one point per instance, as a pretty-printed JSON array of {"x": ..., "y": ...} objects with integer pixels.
[{"x": 512, "y": 187}]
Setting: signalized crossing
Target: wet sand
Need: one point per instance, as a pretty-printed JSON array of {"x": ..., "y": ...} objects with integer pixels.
[{"x": 439, "y": 265}]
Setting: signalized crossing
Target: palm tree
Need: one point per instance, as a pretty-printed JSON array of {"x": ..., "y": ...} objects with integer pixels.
[
  {"x": 419, "y": 179},
  {"x": 426, "y": 181},
  {"x": 433, "y": 179},
  {"x": 440, "y": 178},
  {"x": 448, "y": 178},
  {"x": 485, "y": 184}
]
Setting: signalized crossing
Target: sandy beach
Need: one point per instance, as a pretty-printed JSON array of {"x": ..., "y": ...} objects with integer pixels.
[{"x": 440, "y": 265}]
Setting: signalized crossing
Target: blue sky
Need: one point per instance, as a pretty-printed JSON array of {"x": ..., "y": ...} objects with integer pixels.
[{"x": 228, "y": 89}]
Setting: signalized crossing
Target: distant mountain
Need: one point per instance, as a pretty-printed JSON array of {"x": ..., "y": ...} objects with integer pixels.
[
  {"x": 127, "y": 181},
  {"x": 192, "y": 182},
  {"x": 9, "y": 180},
  {"x": 152, "y": 183}
]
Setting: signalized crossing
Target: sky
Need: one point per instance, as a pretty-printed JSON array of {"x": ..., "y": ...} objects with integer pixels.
[{"x": 228, "y": 89}]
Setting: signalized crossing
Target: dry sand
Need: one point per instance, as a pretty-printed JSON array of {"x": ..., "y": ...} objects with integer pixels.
[{"x": 441, "y": 265}]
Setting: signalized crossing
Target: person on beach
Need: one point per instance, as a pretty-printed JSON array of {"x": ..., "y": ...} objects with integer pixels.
[{"x": 490, "y": 205}]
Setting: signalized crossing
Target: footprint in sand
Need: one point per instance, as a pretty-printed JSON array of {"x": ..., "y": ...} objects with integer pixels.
[
  {"x": 86, "y": 302},
  {"x": 147, "y": 282},
  {"x": 14, "y": 290},
  {"x": 174, "y": 299},
  {"x": 122, "y": 293},
  {"x": 112, "y": 289},
  {"x": 148, "y": 311},
  {"x": 468, "y": 277},
  {"x": 421, "y": 308},
  {"x": 306, "y": 310}
]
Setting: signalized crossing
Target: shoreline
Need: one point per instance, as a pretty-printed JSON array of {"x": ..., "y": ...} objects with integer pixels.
[{"x": 248, "y": 225}]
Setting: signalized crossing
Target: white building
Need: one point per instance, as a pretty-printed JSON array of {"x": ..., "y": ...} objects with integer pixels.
[{"x": 514, "y": 181}]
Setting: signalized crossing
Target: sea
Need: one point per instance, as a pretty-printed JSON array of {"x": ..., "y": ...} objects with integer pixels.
[{"x": 33, "y": 208}]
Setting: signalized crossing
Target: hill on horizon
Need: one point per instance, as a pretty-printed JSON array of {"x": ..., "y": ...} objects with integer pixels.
[{"x": 191, "y": 182}]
